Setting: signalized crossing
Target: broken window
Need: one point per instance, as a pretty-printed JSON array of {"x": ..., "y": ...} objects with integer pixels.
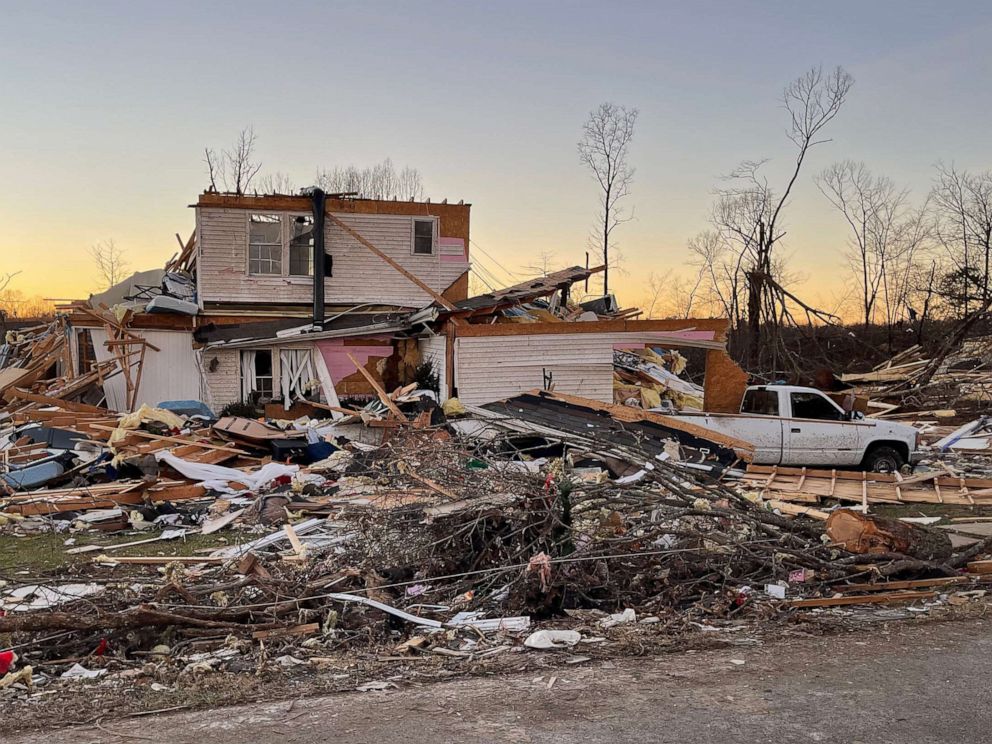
[
  {"x": 297, "y": 378},
  {"x": 264, "y": 244},
  {"x": 256, "y": 375},
  {"x": 301, "y": 246},
  {"x": 814, "y": 406},
  {"x": 423, "y": 237},
  {"x": 760, "y": 402}
]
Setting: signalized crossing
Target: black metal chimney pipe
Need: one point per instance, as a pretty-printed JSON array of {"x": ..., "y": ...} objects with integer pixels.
[{"x": 319, "y": 257}]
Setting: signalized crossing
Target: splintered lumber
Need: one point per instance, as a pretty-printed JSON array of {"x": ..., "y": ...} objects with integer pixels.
[
  {"x": 980, "y": 567},
  {"x": 100, "y": 496},
  {"x": 306, "y": 629},
  {"x": 864, "y": 533},
  {"x": 793, "y": 510},
  {"x": 386, "y": 400},
  {"x": 882, "y": 598},
  {"x": 808, "y": 485},
  {"x": 178, "y": 440},
  {"x": 908, "y": 584},
  {"x": 158, "y": 560}
]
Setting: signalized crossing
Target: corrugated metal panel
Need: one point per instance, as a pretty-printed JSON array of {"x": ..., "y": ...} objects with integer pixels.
[
  {"x": 359, "y": 276},
  {"x": 493, "y": 368}
]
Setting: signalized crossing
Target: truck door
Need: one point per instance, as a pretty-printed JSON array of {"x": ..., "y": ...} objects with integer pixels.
[
  {"x": 761, "y": 425},
  {"x": 817, "y": 432}
]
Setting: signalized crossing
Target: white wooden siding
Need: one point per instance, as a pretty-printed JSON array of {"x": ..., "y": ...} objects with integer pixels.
[
  {"x": 359, "y": 275},
  {"x": 496, "y": 367},
  {"x": 223, "y": 385},
  {"x": 169, "y": 374},
  {"x": 432, "y": 349}
]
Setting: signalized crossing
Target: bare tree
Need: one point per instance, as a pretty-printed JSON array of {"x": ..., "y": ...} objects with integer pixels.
[
  {"x": 14, "y": 304},
  {"x": 275, "y": 183},
  {"x": 543, "y": 263},
  {"x": 603, "y": 149},
  {"x": 111, "y": 264},
  {"x": 656, "y": 287},
  {"x": 748, "y": 213},
  {"x": 380, "y": 181},
  {"x": 873, "y": 208},
  {"x": 963, "y": 205},
  {"x": 236, "y": 167},
  {"x": 6, "y": 279}
]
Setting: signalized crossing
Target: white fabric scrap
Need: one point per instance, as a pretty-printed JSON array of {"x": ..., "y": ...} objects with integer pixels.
[{"x": 217, "y": 477}]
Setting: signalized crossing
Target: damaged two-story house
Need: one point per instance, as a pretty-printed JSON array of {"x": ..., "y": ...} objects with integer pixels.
[{"x": 281, "y": 299}]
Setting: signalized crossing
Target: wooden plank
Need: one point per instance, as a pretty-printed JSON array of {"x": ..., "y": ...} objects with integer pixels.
[
  {"x": 909, "y": 584},
  {"x": 980, "y": 567},
  {"x": 797, "y": 511},
  {"x": 883, "y": 598},
  {"x": 294, "y": 540},
  {"x": 855, "y": 475},
  {"x": 178, "y": 440},
  {"x": 717, "y": 325},
  {"x": 296, "y": 630},
  {"x": 157, "y": 560}
]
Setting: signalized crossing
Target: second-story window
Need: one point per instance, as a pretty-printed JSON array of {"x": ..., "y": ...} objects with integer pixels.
[
  {"x": 301, "y": 246},
  {"x": 423, "y": 237},
  {"x": 265, "y": 244}
]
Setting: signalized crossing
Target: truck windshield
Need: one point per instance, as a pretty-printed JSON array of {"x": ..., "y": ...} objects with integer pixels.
[
  {"x": 760, "y": 402},
  {"x": 813, "y": 406}
]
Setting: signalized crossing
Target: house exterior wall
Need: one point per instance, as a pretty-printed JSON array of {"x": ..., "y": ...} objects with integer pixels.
[
  {"x": 359, "y": 276},
  {"x": 496, "y": 367},
  {"x": 223, "y": 385}
]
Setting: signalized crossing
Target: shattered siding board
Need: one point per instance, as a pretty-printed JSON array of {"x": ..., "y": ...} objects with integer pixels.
[
  {"x": 358, "y": 275},
  {"x": 432, "y": 350},
  {"x": 493, "y": 368}
]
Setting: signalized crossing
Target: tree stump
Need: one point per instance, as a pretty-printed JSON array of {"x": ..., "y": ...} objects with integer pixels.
[{"x": 863, "y": 533}]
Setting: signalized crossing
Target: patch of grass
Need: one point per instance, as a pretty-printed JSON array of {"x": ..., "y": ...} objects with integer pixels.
[{"x": 45, "y": 554}]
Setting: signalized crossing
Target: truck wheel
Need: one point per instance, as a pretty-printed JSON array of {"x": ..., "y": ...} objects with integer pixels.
[{"x": 883, "y": 460}]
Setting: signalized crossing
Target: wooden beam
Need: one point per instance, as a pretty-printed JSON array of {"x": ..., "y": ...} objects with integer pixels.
[
  {"x": 415, "y": 279},
  {"x": 717, "y": 327},
  {"x": 386, "y": 400},
  {"x": 882, "y": 598}
]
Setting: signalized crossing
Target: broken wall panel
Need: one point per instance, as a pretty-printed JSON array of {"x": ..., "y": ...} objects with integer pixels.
[
  {"x": 168, "y": 374},
  {"x": 724, "y": 385}
]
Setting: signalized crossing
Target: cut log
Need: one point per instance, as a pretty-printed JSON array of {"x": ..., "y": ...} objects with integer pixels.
[{"x": 861, "y": 533}]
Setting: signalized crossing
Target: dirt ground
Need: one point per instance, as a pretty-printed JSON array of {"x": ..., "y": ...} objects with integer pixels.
[{"x": 917, "y": 681}]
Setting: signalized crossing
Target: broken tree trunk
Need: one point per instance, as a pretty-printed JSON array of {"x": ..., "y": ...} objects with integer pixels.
[
  {"x": 861, "y": 533},
  {"x": 136, "y": 617}
]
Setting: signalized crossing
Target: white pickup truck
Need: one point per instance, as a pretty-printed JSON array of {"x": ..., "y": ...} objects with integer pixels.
[{"x": 791, "y": 425}]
